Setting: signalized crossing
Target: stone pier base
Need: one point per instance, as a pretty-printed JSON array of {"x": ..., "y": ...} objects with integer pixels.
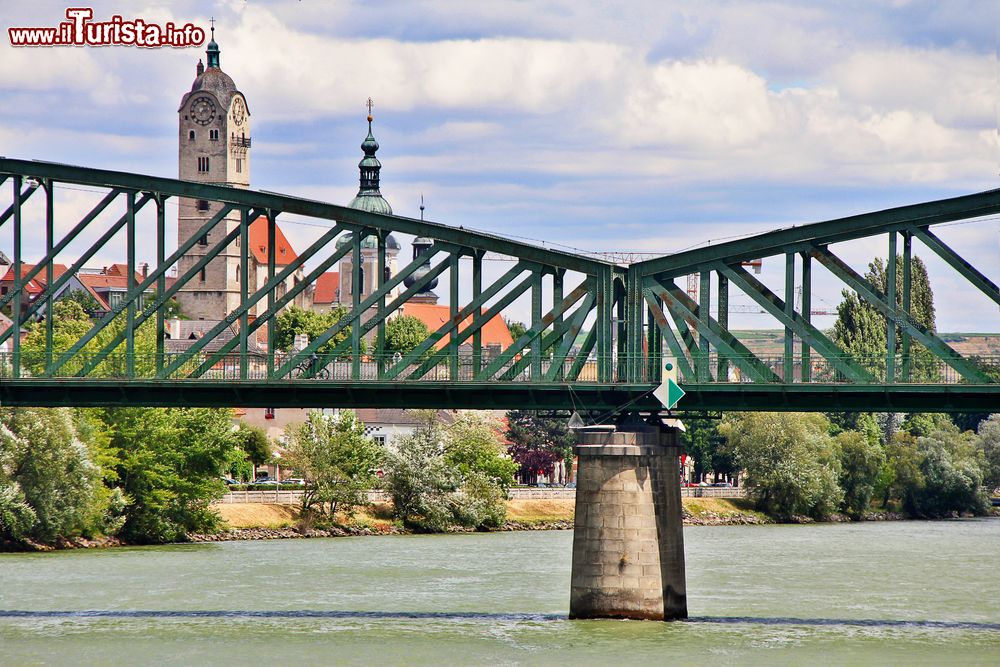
[{"x": 628, "y": 548}]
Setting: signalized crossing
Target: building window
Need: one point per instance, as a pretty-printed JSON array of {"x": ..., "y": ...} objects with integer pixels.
[
  {"x": 190, "y": 135},
  {"x": 202, "y": 204},
  {"x": 237, "y": 274},
  {"x": 239, "y": 165},
  {"x": 268, "y": 413},
  {"x": 203, "y": 274},
  {"x": 203, "y": 240},
  {"x": 379, "y": 440},
  {"x": 361, "y": 280},
  {"x": 203, "y": 164},
  {"x": 213, "y": 135}
]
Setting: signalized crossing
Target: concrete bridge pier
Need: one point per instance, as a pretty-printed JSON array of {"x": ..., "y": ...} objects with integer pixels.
[{"x": 628, "y": 548}]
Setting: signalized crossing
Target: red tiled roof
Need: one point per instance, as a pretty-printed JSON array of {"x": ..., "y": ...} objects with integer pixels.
[
  {"x": 121, "y": 270},
  {"x": 326, "y": 288},
  {"x": 97, "y": 281},
  {"x": 283, "y": 253},
  {"x": 36, "y": 284},
  {"x": 434, "y": 316}
]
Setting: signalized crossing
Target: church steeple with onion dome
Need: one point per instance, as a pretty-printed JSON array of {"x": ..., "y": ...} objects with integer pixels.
[{"x": 369, "y": 198}]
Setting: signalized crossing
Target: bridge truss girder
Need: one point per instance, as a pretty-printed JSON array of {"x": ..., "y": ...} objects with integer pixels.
[{"x": 599, "y": 344}]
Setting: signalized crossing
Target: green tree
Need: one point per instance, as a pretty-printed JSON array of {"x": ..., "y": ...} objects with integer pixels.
[
  {"x": 255, "y": 447},
  {"x": 537, "y": 443},
  {"x": 49, "y": 483},
  {"x": 404, "y": 333},
  {"x": 790, "y": 460},
  {"x": 337, "y": 458},
  {"x": 861, "y": 462},
  {"x": 989, "y": 448},
  {"x": 517, "y": 329},
  {"x": 420, "y": 480},
  {"x": 168, "y": 464},
  {"x": 85, "y": 299},
  {"x": 704, "y": 444},
  {"x": 295, "y": 320},
  {"x": 474, "y": 446}
]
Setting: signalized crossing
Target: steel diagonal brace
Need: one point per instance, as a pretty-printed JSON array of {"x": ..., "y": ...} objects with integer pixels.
[
  {"x": 138, "y": 290},
  {"x": 83, "y": 259},
  {"x": 985, "y": 285},
  {"x": 681, "y": 305},
  {"x": 770, "y": 302},
  {"x": 536, "y": 330},
  {"x": 870, "y": 293},
  {"x": 559, "y": 330},
  {"x": 687, "y": 371},
  {"x": 131, "y": 296},
  {"x": 261, "y": 293},
  {"x": 575, "y": 325},
  {"x": 327, "y": 335},
  {"x": 59, "y": 247},
  {"x": 24, "y": 196},
  {"x": 453, "y": 323},
  {"x": 315, "y": 273},
  {"x": 412, "y": 356},
  {"x": 581, "y": 358},
  {"x": 273, "y": 310}
]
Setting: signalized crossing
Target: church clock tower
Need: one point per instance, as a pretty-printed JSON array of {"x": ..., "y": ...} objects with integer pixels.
[{"x": 213, "y": 147}]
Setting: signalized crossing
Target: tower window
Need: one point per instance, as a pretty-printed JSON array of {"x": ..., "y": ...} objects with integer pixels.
[
  {"x": 190, "y": 135},
  {"x": 203, "y": 240},
  {"x": 203, "y": 164},
  {"x": 237, "y": 274},
  {"x": 213, "y": 135},
  {"x": 202, "y": 204},
  {"x": 239, "y": 165},
  {"x": 202, "y": 274}
]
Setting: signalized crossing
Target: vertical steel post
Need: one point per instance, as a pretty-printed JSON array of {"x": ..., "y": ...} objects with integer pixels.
[
  {"x": 621, "y": 333},
  {"x": 704, "y": 347},
  {"x": 356, "y": 286},
  {"x": 15, "y": 311},
  {"x": 453, "y": 312},
  {"x": 477, "y": 290},
  {"x": 722, "y": 370},
  {"x": 907, "y": 286},
  {"x": 890, "y": 332},
  {"x": 605, "y": 315},
  {"x": 244, "y": 278},
  {"x": 635, "y": 309},
  {"x": 130, "y": 284},
  {"x": 381, "y": 268},
  {"x": 49, "y": 268},
  {"x": 788, "y": 374},
  {"x": 161, "y": 280},
  {"x": 536, "y": 323},
  {"x": 271, "y": 331},
  {"x": 806, "y": 313}
]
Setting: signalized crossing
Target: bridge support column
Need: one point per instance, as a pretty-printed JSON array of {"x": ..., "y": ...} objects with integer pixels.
[{"x": 628, "y": 548}]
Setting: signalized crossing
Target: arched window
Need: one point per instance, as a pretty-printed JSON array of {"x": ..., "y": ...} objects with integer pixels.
[{"x": 190, "y": 135}]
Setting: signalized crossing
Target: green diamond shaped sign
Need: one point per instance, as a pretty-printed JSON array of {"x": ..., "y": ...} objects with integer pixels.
[{"x": 669, "y": 392}]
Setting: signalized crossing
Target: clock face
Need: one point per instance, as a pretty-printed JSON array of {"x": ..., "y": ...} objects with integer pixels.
[
  {"x": 239, "y": 111},
  {"x": 203, "y": 110}
]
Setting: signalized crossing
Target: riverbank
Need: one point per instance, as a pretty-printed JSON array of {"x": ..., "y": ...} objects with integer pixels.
[{"x": 263, "y": 521}]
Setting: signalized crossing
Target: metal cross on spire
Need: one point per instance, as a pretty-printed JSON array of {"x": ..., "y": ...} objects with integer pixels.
[
  {"x": 212, "y": 21},
  {"x": 369, "y": 104}
]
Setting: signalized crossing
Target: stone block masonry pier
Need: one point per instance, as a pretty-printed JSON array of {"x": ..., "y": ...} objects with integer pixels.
[{"x": 628, "y": 548}]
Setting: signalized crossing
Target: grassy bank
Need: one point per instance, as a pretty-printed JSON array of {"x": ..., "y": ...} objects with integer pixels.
[{"x": 520, "y": 513}]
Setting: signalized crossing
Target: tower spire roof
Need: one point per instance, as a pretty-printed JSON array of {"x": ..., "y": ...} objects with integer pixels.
[
  {"x": 369, "y": 197},
  {"x": 212, "y": 52}
]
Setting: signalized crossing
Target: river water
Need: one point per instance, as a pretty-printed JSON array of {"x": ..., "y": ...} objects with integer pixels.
[{"x": 870, "y": 593}]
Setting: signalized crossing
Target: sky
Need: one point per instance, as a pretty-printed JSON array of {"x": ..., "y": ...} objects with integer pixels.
[{"x": 641, "y": 126}]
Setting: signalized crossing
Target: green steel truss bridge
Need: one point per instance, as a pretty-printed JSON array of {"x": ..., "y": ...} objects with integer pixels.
[{"x": 598, "y": 337}]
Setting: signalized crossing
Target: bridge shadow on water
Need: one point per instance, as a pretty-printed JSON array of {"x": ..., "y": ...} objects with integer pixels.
[{"x": 487, "y": 616}]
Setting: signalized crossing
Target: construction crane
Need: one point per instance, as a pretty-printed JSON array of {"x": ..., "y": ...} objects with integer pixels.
[{"x": 693, "y": 283}]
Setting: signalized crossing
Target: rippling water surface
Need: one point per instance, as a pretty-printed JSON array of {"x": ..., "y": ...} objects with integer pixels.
[{"x": 877, "y": 593}]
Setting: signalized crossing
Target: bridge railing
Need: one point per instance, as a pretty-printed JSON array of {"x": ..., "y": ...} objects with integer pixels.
[{"x": 718, "y": 369}]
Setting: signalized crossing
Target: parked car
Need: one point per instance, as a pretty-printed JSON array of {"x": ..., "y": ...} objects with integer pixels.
[
  {"x": 723, "y": 484},
  {"x": 228, "y": 482},
  {"x": 294, "y": 481}
]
